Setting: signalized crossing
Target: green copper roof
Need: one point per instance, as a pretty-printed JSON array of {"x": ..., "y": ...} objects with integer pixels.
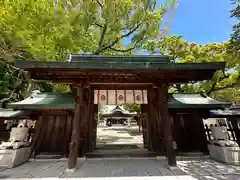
[
  {"x": 118, "y": 58},
  {"x": 194, "y": 101},
  {"x": 224, "y": 113},
  {"x": 44, "y": 101},
  {"x": 11, "y": 114},
  {"x": 119, "y": 69},
  {"x": 118, "y": 65},
  {"x": 65, "y": 101},
  {"x": 118, "y": 112}
]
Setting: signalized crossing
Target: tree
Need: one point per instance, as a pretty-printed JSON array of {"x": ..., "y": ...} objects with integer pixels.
[
  {"x": 96, "y": 27},
  {"x": 183, "y": 51},
  {"x": 235, "y": 36},
  {"x": 50, "y": 30},
  {"x": 14, "y": 83},
  {"x": 133, "y": 108}
]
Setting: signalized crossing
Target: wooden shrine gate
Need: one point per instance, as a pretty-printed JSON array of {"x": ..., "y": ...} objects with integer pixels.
[
  {"x": 84, "y": 129},
  {"x": 55, "y": 129},
  {"x": 156, "y": 124},
  {"x": 86, "y": 73}
]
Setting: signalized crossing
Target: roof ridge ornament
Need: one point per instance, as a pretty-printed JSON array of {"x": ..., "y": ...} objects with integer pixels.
[
  {"x": 147, "y": 64},
  {"x": 35, "y": 93},
  {"x": 69, "y": 58}
]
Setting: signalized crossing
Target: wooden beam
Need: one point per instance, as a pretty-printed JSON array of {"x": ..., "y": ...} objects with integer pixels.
[
  {"x": 172, "y": 76},
  {"x": 75, "y": 138},
  {"x": 122, "y": 86},
  {"x": 105, "y": 86},
  {"x": 162, "y": 106},
  {"x": 76, "y": 80}
]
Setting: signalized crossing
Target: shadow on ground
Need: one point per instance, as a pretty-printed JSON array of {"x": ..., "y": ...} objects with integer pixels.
[
  {"x": 210, "y": 169},
  {"x": 127, "y": 168},
  {"x": 139, "y": 168}
]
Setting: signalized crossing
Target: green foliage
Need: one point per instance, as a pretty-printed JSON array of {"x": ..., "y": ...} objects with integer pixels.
[
  {"x": 50, "y": 30},
  {"x": 14, "y": 83},
  {"x": 183, "y": 51},
  {"x": 133, "y": 108},
  {"x": 235, "y": 37}
]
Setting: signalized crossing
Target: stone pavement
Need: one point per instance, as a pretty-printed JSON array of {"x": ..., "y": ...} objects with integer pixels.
[
  {"x": 98, "y": 169},
  {"x": 195, "y": 168},
  {"x": 118, "y": 134}
]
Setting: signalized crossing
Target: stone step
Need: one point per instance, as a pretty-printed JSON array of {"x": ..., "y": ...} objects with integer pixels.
[
  {"x": 191, "y": 154},
  {"x": 119, "y": 155},
  {"x": 118, "y": 146},
  {"x": 102, "y": 153},
  {"x": 48, "y": 156}
]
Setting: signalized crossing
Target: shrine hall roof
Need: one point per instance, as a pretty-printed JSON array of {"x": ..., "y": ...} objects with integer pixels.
[
  {"x": 117, "y": 112},
  {"x": 46, "y": 101},
  {"x": 194, "y": 101},
  {"x": 118, "y": 58},
  {"x": 8, "y": 114},
  {"x": 119, "y": 69},
  {"x": 41, "y": 101},
  {"x": 224, "y": 113}
]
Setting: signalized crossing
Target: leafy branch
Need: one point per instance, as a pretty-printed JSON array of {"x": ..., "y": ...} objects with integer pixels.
[{"x": 111, "y": 44}]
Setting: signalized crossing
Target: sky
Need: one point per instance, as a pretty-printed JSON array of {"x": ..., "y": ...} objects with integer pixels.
[{"x": 202, "y": 21}]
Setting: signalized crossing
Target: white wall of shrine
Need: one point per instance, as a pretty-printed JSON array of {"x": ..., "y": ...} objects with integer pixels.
[{"x": 119, "y": 97}]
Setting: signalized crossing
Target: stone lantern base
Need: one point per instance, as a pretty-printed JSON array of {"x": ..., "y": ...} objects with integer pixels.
[
  {"x": 228, "y": 155},
  {"x": 10, "y": 158}
]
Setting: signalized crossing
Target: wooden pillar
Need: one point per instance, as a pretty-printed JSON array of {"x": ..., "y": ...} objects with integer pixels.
[
  {"x": 2, "y": 124},
  {"x": 144, "y": 117},
  {"x": 152, "y": 121},
  {"x": 94, "y": 119},
  {"x": 77, "y": 118},
  {"x": 179, "y": 131},
  {"x": 94, "y": 126},
  {"x": 202, "y": 135},
  {"x": 162, "y": 109},
  {"x": 87, "y": 123},
  {"x": 160, "y": 143},
  {"x": 90, "y": 120},
  {"x": 150, "y": 128},
  {"x": 235, "y": 125},
  {"x": 148, "y": 125}
]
